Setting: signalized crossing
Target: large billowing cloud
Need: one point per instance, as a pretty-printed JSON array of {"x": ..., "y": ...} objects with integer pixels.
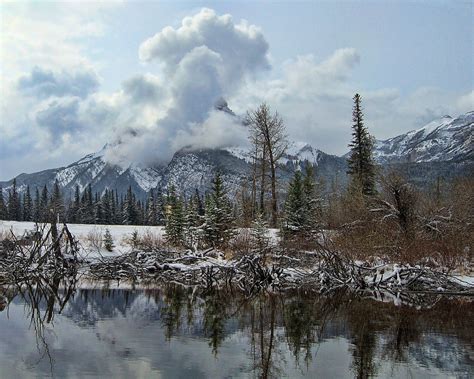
[
  {"x": 241, "y": 47},
  {"x": 44, "y": 83},
  {"x": 208, "y": 57},
  {"x": 54, "y": 111}
]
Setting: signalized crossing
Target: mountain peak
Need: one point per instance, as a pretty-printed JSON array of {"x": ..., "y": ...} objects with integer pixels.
[
  {"x": 222, "y": 105},
  {"x": 443, "y": 139}
]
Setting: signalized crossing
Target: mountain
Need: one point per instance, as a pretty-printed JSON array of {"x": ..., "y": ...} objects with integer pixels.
[
  {"x": 442, "y": 140},
  {"x": 188, "y": 170},
  {"x": 444, "y": 147}
]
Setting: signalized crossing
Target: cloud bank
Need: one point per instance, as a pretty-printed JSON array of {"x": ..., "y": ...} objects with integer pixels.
[
  {"x": 54, "y": 111},
  {"x": 208, "y": 57}
]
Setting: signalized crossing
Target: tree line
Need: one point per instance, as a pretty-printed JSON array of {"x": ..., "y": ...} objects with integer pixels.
[{"x": 211, "y": 217}]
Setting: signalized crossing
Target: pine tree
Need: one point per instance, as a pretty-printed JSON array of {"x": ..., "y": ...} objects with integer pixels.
[
  {"x": 312, "y": 203},
  {"x": 3, "y": 207},
  {"x": 129, "y": 208},
  {"x": 160, "y": 207},
  {"x": 192, "y": 228},
  {"x": 75, "y": 208},
  {"x": 259, "y": 232},
  {"x": 218, "y": 226},
  {"x": 27, "y": 205},
  {"x": 44, "y": 205},
  {"x": 56, "y": 202},
  {"x": 361, "y": 163},
  {"x": 175, "y": 218},
  {"x": 108, "y": 241},
  {"x": 37, "y": 206},
  {"x": 151, "y": 209},
  {"x": 294, "y": 220},
  {"x": 14, "y": 210}
]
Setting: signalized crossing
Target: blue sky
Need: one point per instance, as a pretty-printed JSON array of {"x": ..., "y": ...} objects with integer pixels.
[{"x": 78, "y": 75}]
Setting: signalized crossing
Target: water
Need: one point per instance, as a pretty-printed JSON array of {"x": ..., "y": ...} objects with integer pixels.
[{"x": 174, "y": 332}]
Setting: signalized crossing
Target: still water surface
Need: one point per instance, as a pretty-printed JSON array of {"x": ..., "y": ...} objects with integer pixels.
[{"x": 174, "y": 332}]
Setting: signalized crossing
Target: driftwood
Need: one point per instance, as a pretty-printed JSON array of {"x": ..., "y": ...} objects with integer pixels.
[
  {"x": 322, "y": 269},
  {"x": 250, "y": 274}
]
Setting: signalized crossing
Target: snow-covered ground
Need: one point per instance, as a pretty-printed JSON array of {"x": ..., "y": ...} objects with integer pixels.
[{"x": 88, "y": 233}]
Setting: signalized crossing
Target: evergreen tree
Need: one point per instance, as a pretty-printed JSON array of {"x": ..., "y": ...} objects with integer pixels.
[
  {"x": 175, "y": 218},
  {"x": 37, "y": 206},
  {"x": 88, "y": 208},
  {"x": 107, "y": 201},
  {"x": 56, "y": 203},
  {"x": 75, "y": 208},
  {"x": 160, "y": 207},
  {"x": 259, "y": 233},
  {"x": 130, "y": 216},
  {"x": 3, "y": 207},
  {"x": 151, "y": 209},
  {"x": 218, "y": 226},
  {"x": 44, "y": 205},
  {"x": 312, "y": 202},
  {"x": 361, "y": 163},
  {"x": 295, "y": 217},
  {"x": 192, "y": 229},
  {"x": 199, "y": 203},
  {"x": 14, "y": 210},
  {"x": 108, "y": 241},
  {"x": 27, "y": 206},
  {"x": 140, "y": 212}
]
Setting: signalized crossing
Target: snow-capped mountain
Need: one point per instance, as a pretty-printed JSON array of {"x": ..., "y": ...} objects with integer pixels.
[
  {"x": 442, "y": 142},
  {"x": 444, "y": 139},
  {"x": 188, "y": 170}
]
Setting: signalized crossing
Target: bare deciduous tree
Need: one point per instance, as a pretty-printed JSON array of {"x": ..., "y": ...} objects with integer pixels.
[{"x": 269, "y": 144}]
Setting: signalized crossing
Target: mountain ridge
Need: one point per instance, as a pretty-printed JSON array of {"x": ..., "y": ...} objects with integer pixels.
[{"x": 444, "y": 140}]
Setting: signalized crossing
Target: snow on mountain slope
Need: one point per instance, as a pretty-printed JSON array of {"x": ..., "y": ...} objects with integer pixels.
[
  {"x": 296, "y": 152},
  {"x": 445, "y": 139}
]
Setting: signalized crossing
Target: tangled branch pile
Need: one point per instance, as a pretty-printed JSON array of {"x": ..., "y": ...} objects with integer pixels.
[
  {"x": 43, "y": 252},
  {"x": 252, "y": 273}
]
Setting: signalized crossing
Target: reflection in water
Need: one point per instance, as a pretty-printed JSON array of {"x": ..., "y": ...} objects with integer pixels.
[{"x": 174, "y": 331}]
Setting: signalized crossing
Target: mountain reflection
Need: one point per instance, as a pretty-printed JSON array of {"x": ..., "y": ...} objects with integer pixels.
[{"x": 169, "y": 329}]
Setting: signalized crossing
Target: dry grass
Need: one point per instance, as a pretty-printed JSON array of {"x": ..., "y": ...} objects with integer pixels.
[
  {"x": 95, "y": 239},
  {"x": 412, "y": 227},
  {"x": 148, "y": 241}
]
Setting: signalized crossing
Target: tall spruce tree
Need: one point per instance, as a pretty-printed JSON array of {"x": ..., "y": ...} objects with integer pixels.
[
  {"x": 14, "y": 208},
  {"x": 56, "y": 202},
  {"x": 151, "y": 209},
  {"x": 294, "y": 220},
  {"x": 3, "y": 207},
  {"x": 219, "y": 221},
  {"x": 312, "y": 202},
  {"x": 129, "y": 212},
  {"x": 37, "y": 206},
  {"x": 193, "y": 221},
  {"x": 44, "y": 205},
  {"x": 361, "y": 163},
  {"x": 75, "y": 207},
  {"x": 174, "y": 218},
  {"x": 27, "y": 205}
]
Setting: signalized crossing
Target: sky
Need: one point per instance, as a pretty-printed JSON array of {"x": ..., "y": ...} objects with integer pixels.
[{"x": 144, "y": 77}]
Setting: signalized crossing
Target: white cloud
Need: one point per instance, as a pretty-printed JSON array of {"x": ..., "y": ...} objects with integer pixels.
[
  {"x": 207, "y": 57},
  {"x": 51, "y": 111}
]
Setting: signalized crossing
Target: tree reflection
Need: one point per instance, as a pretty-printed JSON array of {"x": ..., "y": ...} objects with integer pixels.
[
  {"x": 276, "y": 325},
  {"x": 43, "y": 298},
  {"x": 265, "y": 351},
  {"x": 174, "y": 297},
  {"x": 214, "y": 318}
]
